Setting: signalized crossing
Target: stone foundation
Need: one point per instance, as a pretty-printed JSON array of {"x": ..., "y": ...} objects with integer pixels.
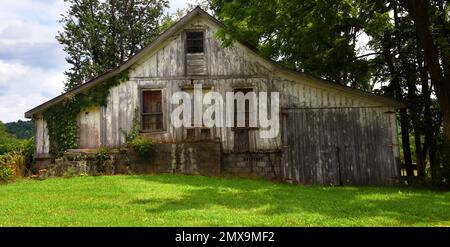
[
  {"x": 265, "y": 165},
  {"x": 186, "y": 158},
  {"x": 203, "y": 158}
]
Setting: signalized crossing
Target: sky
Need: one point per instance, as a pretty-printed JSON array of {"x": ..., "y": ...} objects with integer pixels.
[{"x": 32, "y": 62}]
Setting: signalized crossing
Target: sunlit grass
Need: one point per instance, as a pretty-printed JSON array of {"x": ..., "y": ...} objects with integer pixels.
[{"x": 175, "y": 200}]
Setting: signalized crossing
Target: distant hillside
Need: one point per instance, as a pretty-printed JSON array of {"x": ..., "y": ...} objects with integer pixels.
[{"x": 21, "y": 129}]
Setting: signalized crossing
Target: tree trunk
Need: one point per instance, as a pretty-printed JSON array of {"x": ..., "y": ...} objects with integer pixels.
[
  {"x": 428, "y": 121},
  {"x": 415, "y": 112},
  {"x": 418, "y": 10},
  {"x": 395, "y": 84},
  {"x": 405, "y": 142}
]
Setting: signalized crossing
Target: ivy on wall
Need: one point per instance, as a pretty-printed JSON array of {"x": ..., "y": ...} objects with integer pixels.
[{"x": 61, "y": 119}]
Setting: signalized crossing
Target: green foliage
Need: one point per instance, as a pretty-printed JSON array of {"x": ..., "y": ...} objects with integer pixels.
[
  {"x": 135, "y": 129},
  {"x": 442, "y": 167},
  {"x": 100, "y": 35},
  {"x": 13, "y": 147},
  {"x": 315, "y": 37},
  {"x": 62, "y": 118},
  {"x": 8, "y": 142},
  {"x": 21, "y": 129},
  {"x": 103, "y": 161},
  {"x": 70, "y": 172},
  {"x": 62, "y": 126},
  {"x": 6, "y": 169},
  {"x": 142, "y": 145},
  {"x": 11, "y": 164},
  {"x": 28, "y": 150},
  {"x": 11, "y": 144}
]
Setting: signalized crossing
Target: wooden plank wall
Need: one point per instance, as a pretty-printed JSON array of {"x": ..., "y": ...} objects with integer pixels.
[
  {"x": 41, "y": 137},
  {"x": 340, "y": 146},
  {"x": 89, "y": 123}
]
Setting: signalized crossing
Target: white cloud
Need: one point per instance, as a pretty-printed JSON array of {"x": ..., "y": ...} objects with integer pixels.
[
  {"x": 22, "y": 88},
  {"x": 174, "y": 5},
  {"x": 26, "y": 31},
  {"x": 31, "y": 60}
]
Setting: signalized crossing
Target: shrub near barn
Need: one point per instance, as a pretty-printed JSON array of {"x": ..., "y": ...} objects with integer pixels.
[{"x": 15, "y": 154}]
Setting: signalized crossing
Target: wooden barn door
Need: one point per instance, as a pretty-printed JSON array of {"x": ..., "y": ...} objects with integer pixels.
[
  {"x": 338, "y": 146},
  {"x": 89, "y": 131}
]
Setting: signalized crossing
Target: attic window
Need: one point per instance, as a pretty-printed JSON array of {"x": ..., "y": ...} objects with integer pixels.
[{"x": 194, "y": 42}]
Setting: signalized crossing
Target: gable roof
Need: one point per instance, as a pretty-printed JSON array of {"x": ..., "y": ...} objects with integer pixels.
[{"x": 171, "y": 31}]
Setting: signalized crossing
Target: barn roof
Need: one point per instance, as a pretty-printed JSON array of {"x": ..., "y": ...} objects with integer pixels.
[{"x": 174, "y": 29}]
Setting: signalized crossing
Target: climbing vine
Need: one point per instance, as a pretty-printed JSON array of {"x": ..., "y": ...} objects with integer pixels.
[{"x": 62, "y": 118}]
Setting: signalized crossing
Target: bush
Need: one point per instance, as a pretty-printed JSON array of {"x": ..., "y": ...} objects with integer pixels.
[
  {"x": 6, "y": 170},
  {"x": 71, "y": 172},
  {"x": 142, "y": 145},
  {"x": 441, "y": 174},
  {"x": 28, "y": 150},
  {"x": 11, "y": 144},
  {"x": 103, "y": 161},
  {"x": 11, "y": 165}
]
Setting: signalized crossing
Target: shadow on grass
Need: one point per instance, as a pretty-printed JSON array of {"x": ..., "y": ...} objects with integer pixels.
[{"x": 269, "y": 199}]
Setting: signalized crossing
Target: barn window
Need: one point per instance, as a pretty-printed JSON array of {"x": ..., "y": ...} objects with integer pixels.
[
  {"x": 247, "y": 110},
  {"x": 242, "y": 135},
  {"x": 197, "y": 133},
  {"x": 152, "y": 115},
  {"x": 194, "y": 42}
]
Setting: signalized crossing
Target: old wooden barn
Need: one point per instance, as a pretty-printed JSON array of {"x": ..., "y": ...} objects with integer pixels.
[{"x": 330, "y": 134}]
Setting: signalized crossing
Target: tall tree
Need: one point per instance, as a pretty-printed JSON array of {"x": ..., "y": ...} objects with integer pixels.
[
  {"x": 392, "y": 32},
  {"x": 431, "y": 20},
  {"x": 318, "y": 37},
  {"x": 100, "y": 35}
]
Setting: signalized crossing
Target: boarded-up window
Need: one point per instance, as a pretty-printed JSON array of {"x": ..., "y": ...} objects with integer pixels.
[
  {"x": 246, "y": 109},
  {"x": 152, "y": 115},
  {"x": 199, "y": 100},
  {"x": 241, "y": 135},
  {"x": 196, "y": 133},
  {"x": 194, "y": 42}
]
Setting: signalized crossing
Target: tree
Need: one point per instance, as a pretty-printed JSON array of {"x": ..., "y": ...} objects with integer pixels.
[
  {"x": 3, "y": 133},
  {"x": 391, "y": 38},
  {"x": 21, "y": 129},
  {"x": 429, "y": 16},
  {"x": 393, "y": 33},
  {"x": 100, "y": 35},
  {"x": 316, "y": 37}
]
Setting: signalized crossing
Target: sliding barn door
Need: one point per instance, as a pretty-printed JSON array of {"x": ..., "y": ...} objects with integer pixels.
[{"x": 342, "y": 146}]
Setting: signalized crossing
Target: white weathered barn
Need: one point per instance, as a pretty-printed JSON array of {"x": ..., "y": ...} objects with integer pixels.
[{"x": 331, "y": 134}]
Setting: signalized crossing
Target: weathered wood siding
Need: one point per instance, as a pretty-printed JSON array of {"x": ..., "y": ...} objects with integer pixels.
[
  {"x": 89, "y": 128},
  {"x": 196, "y": 64},
  {"x": 41, "y": 137},
  {"x": 169, "y": 61},
  {"x": 307, "y": 94},
  {"x": 340, "y": 146}
]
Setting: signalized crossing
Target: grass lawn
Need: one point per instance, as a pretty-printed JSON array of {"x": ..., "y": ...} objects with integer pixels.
[{"x": 176, "y": 200}]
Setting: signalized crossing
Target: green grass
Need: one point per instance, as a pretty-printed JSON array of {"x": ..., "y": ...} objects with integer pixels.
[{"x": 172, "y": 200}]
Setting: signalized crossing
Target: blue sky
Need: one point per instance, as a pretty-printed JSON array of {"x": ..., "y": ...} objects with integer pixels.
[{"x": 31, "y": 60}]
